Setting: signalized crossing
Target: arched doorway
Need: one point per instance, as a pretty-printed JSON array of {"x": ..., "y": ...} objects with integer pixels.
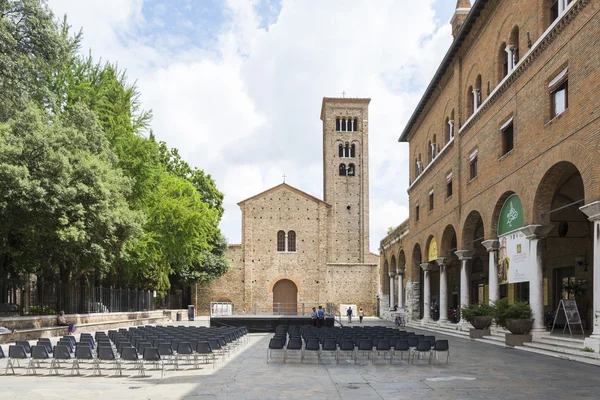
[
  {"x": 477, "y": 276},
  {"x": 448, "y": 248},
  {"x": 417, "y": 277},
  {"x": 285, "y": 297}
]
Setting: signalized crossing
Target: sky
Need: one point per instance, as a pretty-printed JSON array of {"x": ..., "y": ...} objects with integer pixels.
[{"x": 237, "y": 85}]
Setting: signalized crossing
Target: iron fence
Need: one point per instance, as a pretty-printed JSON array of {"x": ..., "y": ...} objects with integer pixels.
[{"x": 38, "y": 297}]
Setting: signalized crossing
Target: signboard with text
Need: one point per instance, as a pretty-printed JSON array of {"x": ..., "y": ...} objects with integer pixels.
[{"x": 513, "y": 254}]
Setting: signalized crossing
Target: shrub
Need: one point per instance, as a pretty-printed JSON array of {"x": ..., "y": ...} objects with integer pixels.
[
  {"x": 41, "y": 310},
  {"x": 477, "y": 310},
  {"x": 504, "y": 310}
]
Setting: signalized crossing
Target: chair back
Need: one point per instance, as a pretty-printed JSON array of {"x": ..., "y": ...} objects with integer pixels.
[
  {"x": 413, "y": 341},
  {"x": 151, "y": 354},
  {"x": 295, "y": 344},
  {"x": 329, "y": 345},
  {"x": 215, "y": 345},
  {"x": 203, "y": 347},
  {"x": 25, "y": 345},
  {"x": 2, "y": 353},
  {"x": 106, "y": 353},
  {"x": 62, "y": 352},
  {"x": 365, "y": 344},
  {"x": 441, "y": 345},
  {"x": 423, "y": 345},
  {"x": 39, "y": 352},
  {"x": 347, "y": 345},
  {"x": 383, "y": 345},
  {"x": 165, "y": 349},
  {"x": 185, "y": 348},
  {"x": 17, "y": 351},
  {"x": 47, "y": 344},
  {"x": 312, "y": 345},
  {"x": 129, "y": 354},
  {"x": 402, "y": 345},
  {"x": 83, "y": 352},
  {"x": 274, "y": 344}
]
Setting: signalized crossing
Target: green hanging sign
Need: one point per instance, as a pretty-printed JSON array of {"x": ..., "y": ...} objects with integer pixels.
[{"x": 511, "y": 216}]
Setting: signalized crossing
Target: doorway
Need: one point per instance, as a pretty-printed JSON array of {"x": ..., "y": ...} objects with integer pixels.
[{"x": 285, "y": 297}]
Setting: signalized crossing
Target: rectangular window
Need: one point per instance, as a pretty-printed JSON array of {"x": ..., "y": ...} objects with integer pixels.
[
  {"x": 507, "y": 131},
  {"x": 417, "y": 213},
  {"x": 473, "y": 165},
  {"x": 449, "y": 185},
  {"x": 559, "y": 89},
  {"x": 431, "y": 201}
]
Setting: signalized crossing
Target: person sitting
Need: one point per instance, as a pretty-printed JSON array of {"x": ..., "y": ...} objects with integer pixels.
[{"x": 62, "y": 321}]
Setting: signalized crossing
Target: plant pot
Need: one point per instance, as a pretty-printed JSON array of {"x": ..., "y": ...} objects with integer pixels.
[
  {"x": 519, "y": 326},
  {"x": 481, "y": 321}
]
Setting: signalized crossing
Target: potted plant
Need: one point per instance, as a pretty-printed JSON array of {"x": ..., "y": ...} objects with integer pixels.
[
  {"x": 479, "y": 315},
  {"x": 516, "y": 318}
]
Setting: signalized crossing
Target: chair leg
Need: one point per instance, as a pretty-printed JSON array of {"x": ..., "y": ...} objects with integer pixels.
[{"x": 31, "y": 367}]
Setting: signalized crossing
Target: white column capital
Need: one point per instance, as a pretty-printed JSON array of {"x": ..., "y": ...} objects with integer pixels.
[
  {"x": 491, "y": 244},
  {"x": 510, "y": 48},
  {"x": 427, "y": 267},
  {"x": 441, "y": 261},
  {"x": 536, "y": 231},
  {"x": 392, "y": 274},
  {"x": 592, "y": 210},
  {"x": 400, "y": 271},
  {"x": 464, "y": 254}
]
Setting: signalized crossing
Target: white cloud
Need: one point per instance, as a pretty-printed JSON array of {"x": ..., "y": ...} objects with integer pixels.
[{"x": 245, "y": 108}]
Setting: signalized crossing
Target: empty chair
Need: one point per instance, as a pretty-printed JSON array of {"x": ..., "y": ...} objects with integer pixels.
[
  {"x": 16, "y": 352},
  {"x": 152, "y": 356},
  {"x": 2, "y": 353},
  {"x": 216, "y": 346},
  {"x": 402, "y": 347},
  {"x": 346, "y": 346},
  {"x": 295, "y": 344},
  {"x": 329, "y": 347},
  {"x": 312, "y": 346},
  {"x": 83, "y": 352},
  {"x": 423, "y": 348},
  {"x": 61, "y": 353},
  {"x": 25, "y": 345},
  {"x": 364, "y": 346},
  {"x": 412, "y": 341},
  {"x": 431, "y": 340},
  {"x": 46, "y": 344},
  {"x": 383, "y": 347},
  {"x": 107, "y": 354},
  {"x": 440, "y": 347},
  {"x": 275, "y": 344},
  {"x": 184, "y": 350},
  {"x": 131, "y": 354},
  {"x": 39, "y": 353},
  {"x": 204, "y": 350}
]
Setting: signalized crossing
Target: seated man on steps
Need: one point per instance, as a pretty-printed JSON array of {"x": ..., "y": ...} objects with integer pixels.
[{"x": 62, "y": 321}]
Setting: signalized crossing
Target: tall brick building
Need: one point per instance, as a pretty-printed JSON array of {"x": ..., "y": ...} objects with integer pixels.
[
  {"x": 299, "y": 250},
  {"x": 505, "y": 164}
]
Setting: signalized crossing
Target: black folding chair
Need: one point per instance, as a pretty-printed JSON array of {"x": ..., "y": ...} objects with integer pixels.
[
  {"x": 423, "y": 348},
  {"x": 83, "y": 352},
  {"x": 131, "y": 354},
  {"x": 16, "y": 352},
  {"x": 204, "y": 350},
  {"x": 329, "y": 347},
  {"x": 25, "y": 345},
  {"x": 402, "y": 347},
  {"x": 346, "y": 346},
  {"x": 152, "y": 356},
  {"x": 364, "y": 346},
  {"x": 61, "y": 353},
  {"x": 295, "y": 344},
  {"x": 39, "y": 354},
  {"x": 184, "y": 350},
  {"x": 275, "y": 344},
  {"x": 383, "y": 346}
]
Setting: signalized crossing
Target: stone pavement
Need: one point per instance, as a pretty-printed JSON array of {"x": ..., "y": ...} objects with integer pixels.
[{"x": 476, "y": 371}]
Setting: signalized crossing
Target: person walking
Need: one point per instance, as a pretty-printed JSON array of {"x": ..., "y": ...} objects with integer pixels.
[
  {"x": 361, "y": 315},
  {"x": 320, "y": 316},
  {"x": 313, "y": 317},
  {"x": 349, "y": 314}
]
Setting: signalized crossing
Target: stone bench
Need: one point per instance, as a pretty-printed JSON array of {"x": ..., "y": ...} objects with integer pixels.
[{"x": 55, "y": 331}]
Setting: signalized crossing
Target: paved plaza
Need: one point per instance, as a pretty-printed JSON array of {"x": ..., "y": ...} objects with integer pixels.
[{"x": 476, "y": 371}]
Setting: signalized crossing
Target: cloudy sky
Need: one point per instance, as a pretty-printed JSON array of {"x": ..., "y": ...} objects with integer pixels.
[{"x": 236, "y": 85}]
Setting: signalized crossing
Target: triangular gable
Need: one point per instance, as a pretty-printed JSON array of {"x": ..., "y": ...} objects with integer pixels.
[{"x": 286, "y": 186}]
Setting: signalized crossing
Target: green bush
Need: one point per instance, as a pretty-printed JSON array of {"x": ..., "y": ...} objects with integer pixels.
[
  {"x": 477, "y": 310},
  {"x": 41, "y": 310},
  {"x": 504, "y": 310}
]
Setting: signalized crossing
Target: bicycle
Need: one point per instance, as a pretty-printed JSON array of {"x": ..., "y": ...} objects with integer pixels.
[{"x": 399, "y": 321}]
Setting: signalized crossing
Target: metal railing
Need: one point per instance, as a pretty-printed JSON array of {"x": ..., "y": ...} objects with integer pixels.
[{"x": 38, "y": 297}]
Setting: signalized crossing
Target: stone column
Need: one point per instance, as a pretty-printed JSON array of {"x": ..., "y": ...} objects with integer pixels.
[
  {"x": 451, "y": 123},
  {"x": 535, "y": 233},
  {"x": 464, "y": 256},
  {"x": 491, "y": 246},
  {"x": 426, "y": 293},
  {"x": 441, "y": 261},
  {"x": 510, "y": 50},
  {"x": 476, "y": 99},
  {"x": 400, "y": 274},
  {"x": 592, "y": 210},
  {"x": 392, "y": 274}
]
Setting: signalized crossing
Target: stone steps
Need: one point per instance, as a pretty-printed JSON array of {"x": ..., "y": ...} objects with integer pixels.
[
  {"x": 563, "y": 356},
  {"x": 571, "y": 344},
  {"x": 563, "y": 350}
]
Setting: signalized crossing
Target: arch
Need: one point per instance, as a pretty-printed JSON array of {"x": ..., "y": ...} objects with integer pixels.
[
  {"x": 281, "y": 241},
  {"x": 496, "y": 213},
  {"x": 430, "y": 152},
  {"x": 449, "y": 242},
  {"x": 337, "y": 124},
  {"x": 502, "y": 62},
  {"x": 356, "y": 124},
  {"x": 344, "y": 125},
  {"x": 473, "y": 230},
  {"x": 385, "y": 285},
  {"x": 393, "y": 265},
  {"x": 431, "y": 247},
  {"x": 401, "y": 260},
  {"x": 281, "y": 277},
  {"x": 341, "y": 150},
  {"x": 342, "y": 169},
  {"x": 480, "y": 95},
  {"x": 223, "y": 299},
  {"x": 351, "y": 170},
  {"x": 416, "y": 267},
  {"x": 514, "y": 41},
  {"x": 469, "y": 103},
  {"x": 353, "y": 150},
  {"x": 285, "y": 297},
  {"x": 558, "y": 176},
  {"x": 347, "y": 150},
  {"x": 291, "y": 237}
]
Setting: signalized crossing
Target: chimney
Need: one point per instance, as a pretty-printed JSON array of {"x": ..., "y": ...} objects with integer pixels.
[{"x": 462, "y": 10}]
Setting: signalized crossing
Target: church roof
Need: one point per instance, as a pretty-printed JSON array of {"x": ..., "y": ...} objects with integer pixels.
[
  {"x": 347, "y": 100},
  {"x": 286, "y": 186}
]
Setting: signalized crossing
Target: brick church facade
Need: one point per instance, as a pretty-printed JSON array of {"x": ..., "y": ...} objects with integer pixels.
[
  {"x": 505, "y": 157},
  {"x": 299, "y": 251}
]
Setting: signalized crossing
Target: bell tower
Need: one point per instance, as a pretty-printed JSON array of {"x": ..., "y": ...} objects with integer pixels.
[{"x": 346, "y": 177}]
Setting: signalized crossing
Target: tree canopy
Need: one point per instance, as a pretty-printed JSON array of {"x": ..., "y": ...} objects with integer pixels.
[{"x": 86, "y": 192}]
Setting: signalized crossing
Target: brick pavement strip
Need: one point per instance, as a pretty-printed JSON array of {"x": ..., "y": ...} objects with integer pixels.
[{"x": 476, "y": 371}]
